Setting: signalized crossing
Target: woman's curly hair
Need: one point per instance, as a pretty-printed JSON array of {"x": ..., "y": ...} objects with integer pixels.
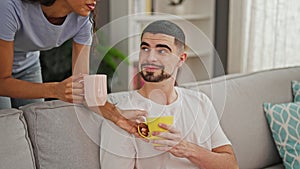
[{"x": 43, "y": 2}]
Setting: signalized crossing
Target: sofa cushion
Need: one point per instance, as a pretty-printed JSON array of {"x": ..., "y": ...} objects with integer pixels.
[
  {"x": 15, "y": 146},
  {"x": 284, "y": 121},
  {"x": 239, "y": 100},
  {"x": 58, "y": 137},
  {"x": 296, "y": 90}
]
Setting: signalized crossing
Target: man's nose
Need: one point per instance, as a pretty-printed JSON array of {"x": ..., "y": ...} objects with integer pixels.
[{"x": 152, "y": 56}]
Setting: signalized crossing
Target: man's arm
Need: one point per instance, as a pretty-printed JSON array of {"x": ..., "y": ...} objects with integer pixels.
[{"x": 220, "y": 157}]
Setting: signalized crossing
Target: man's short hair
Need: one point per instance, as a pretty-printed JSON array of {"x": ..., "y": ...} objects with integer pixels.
[{"x": 167, "y": 28}]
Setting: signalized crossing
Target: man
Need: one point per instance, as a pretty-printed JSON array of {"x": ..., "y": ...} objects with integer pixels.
[{"x": 195, "y": 140}]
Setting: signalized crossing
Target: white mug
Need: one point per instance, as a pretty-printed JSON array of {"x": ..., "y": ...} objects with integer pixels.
[{"x": 95, "y": 90}]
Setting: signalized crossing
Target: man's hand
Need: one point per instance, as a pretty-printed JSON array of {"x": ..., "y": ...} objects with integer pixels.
[
  {"x": 171, "y": 142},
  {"x": 219, "y": 157}
]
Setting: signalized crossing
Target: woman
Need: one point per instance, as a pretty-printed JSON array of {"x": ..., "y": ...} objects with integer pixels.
[{"x": 28, "y": 26}]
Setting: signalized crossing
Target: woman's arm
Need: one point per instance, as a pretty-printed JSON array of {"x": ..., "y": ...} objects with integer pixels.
[
  {"x": 125, "y": 119},
  {"x": 15, "y": 88},
  {"x": 80, "y": 58}
]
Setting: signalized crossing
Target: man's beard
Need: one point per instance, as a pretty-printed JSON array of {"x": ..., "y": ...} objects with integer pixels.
[{"x": 151, "y": 77}]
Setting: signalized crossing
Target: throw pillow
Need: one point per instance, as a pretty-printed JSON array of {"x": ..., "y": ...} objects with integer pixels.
[
  {"x": 59, "y": 139},
  {"x": 284, "y": 122},
  {"x": 296, "y": 90},
  {"x": 15, "y": 146}
]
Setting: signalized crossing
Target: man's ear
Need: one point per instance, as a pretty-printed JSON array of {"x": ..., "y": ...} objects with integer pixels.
[{"x": 182, "y": 58}]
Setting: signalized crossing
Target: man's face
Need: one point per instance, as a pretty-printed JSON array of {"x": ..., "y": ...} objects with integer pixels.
[{"x": 159, "y": 57}]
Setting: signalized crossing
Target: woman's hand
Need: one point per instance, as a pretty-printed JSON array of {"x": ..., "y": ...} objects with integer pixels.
[
  {"x": 125, "y": 119},
  {"x": 71, "y": 89},
  {"x": 138, "y": 116},
  {"x": 130, "y": 119}
]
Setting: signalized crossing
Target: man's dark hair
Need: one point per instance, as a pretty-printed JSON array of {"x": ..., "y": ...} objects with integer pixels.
[
  {"x": 167, "y": 28},
  {"x": 43, "y": 2}
]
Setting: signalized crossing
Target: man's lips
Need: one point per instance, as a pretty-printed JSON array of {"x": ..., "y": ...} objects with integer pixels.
[{"x": 151, "y": 67}]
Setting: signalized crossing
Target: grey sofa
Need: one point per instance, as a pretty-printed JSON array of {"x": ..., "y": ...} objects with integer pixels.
[
  {"x": 59, "y": 135},
  {"x": 240, "y": 98}
]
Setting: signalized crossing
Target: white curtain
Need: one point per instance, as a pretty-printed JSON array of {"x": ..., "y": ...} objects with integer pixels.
[{"x": 271, "y": 34}]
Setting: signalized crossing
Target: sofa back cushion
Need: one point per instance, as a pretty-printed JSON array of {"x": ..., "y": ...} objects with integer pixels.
[
  {"x": 239, "y": 100},
  {"x": 58, "y": 138},
  {"x": 284, "y": 121},
  {"x": 15, "y": 146},
  {"x": 296, "y": 90}
]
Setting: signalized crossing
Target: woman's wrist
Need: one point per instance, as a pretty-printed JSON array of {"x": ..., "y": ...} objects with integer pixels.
[
  {"x": 110, "y": 112},
  {"x": 51, "y": 90}
]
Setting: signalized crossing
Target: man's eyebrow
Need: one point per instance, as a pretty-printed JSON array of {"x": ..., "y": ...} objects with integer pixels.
[
  {"x": 144, "y": 43},
  {"x": 163, "y": 46},
  {"x": 157, "y": 46}
]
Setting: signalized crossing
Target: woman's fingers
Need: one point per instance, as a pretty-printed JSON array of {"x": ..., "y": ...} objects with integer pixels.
[
  {"x": 134, "y": 115},
  {"x": 78, "y": 77},
  {"x": 78, "y": 99},
  {"x": 74, "y": 91},
  {"x": 77, "y": 85}
]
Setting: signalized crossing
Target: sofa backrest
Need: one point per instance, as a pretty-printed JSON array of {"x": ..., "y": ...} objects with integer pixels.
[{"x": 239, "y": 100}]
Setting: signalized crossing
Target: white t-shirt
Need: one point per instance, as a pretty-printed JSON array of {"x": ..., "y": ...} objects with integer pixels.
[
  {"x": 25, "y": 24},
  {"x": 194, "y": 116}
]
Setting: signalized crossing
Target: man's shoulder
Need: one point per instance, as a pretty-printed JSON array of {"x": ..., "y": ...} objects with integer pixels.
[
  {"x": 120, "y": 94},
  {"x": 189, "y": 93},
  {"x": 193, "y": 95},
  {"x": 118, "y": 97}
]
